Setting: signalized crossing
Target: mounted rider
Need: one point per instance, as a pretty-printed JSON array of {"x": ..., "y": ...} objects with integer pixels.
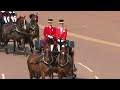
[
  {"x": 6, "y": 17},
  {"x": 13, "y": 16}
]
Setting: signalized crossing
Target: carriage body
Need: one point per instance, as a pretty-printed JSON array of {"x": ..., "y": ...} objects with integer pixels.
[{"x": 38, "y": 44}]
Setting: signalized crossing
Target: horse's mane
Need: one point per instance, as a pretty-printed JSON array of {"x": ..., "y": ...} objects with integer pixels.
[{"x": 19, "y": 18}]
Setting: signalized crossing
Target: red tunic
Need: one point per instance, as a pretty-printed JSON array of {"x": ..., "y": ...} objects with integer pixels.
[
  {"x": 61, "y": 33},
  {"x": 48, "y": 30}
]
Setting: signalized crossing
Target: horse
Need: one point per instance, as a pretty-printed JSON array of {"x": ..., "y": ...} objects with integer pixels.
[
  {"x": 41, "y": 65},
  {"x": 34, "y": 27},
  {"x": 27, "y": 38},
  {"x": 10, "y": 31},
  {"x": 64, "y": 64}
]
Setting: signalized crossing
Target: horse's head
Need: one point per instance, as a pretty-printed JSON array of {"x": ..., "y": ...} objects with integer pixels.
[
  {"x": 62, "y": 58},
  {"x": 46, "y": 49},
  {"x": 63, "y": 50},
  {"x": 21, "y": 21},
  {"x": 34, "y": 18}
]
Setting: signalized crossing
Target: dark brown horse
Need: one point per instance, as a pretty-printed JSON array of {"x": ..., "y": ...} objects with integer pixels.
[
  {"x": 64, "y": 66},
  {"x": 27, "y": 38},
  {"x": 10, "y": 31},
  {"x": 41, "y": 65},
  {"x": 14, "y": 32}
]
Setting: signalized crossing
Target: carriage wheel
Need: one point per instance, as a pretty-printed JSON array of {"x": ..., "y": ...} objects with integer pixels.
[{"x": 72, "y": 54}]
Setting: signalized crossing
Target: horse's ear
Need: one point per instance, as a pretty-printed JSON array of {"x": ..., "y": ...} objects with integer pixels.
[{"x": 30, "y": 16}]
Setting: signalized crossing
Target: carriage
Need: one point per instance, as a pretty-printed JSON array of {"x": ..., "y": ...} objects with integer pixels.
[{"x": 38, "y": 43}]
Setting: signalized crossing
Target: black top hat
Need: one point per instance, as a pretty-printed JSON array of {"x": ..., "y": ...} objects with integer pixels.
[
  {"x": 50, "y": 20},
  {"x": 61, "y": 21}
]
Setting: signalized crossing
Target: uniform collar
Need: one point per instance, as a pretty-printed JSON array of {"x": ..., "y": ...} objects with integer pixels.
[{"x": 50, "y": 26}]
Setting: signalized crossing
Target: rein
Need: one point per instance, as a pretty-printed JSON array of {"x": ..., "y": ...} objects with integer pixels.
[{"x": 63, "y": 65}]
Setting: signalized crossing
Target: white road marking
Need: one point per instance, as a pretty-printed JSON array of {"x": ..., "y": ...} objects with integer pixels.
[
  {"x": 85, "y": 67},
  {"x": 89, "y": 38},
  {"x": 3, "y": 76},
  {"x": 96, "y": 77},
  {"x": 83, "y": 26}
]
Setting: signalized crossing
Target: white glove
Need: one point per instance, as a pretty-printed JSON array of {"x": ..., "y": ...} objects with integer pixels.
[
  {"x": 10, "y": 12},
  {"x": 63, "y": 45},
  {"x": 62, "y": 40},
  {"x": 50, "y": 36},
  {"x": 58, "y": 40},
  {"x": 2, "y": 11},
  {"x": 13, "y": 11}
]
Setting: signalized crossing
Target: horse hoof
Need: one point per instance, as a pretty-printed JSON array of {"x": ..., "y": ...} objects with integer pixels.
[
  {"x": 73, "y": 77},
  {"x": 34, "y": 78},
  {"x": 6, "y": 52}
]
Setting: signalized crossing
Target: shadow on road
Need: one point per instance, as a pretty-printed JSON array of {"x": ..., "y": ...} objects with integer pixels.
[{"x": 18, "y": 52}]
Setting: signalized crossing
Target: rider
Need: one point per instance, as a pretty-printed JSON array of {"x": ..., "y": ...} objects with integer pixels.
[
  {"x": 4, "y": 16},
  {"x": 61, "y": 34},
  {"x": 49, "y": 33},
  {"x": 7, "y": 17},
  {"x": 1, "y": 19},
  {"x": 13, "y": 16}
]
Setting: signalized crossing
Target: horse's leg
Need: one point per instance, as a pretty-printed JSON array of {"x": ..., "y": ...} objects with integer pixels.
[
  {"x": 18, "y": 43},
  {"x": 31, "y": 74},
  {"x": 51, "y": 76},
  {"x": 14, "y": 51},
  {"x": 59, "y": 73},
  {"x": 43, "y": 75},
  {"x": 31, "y": 46},
  {"x": 37, "y": 75},
  {"x": 59, "y": 76},
  {"x": 25, "y": 50},
  {"x": 6, "y": 48}
]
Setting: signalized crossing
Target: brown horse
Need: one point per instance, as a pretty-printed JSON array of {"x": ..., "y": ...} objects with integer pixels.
[
  {"x": 64, "y": 66},
  {"x": 41, "y": 64}
]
